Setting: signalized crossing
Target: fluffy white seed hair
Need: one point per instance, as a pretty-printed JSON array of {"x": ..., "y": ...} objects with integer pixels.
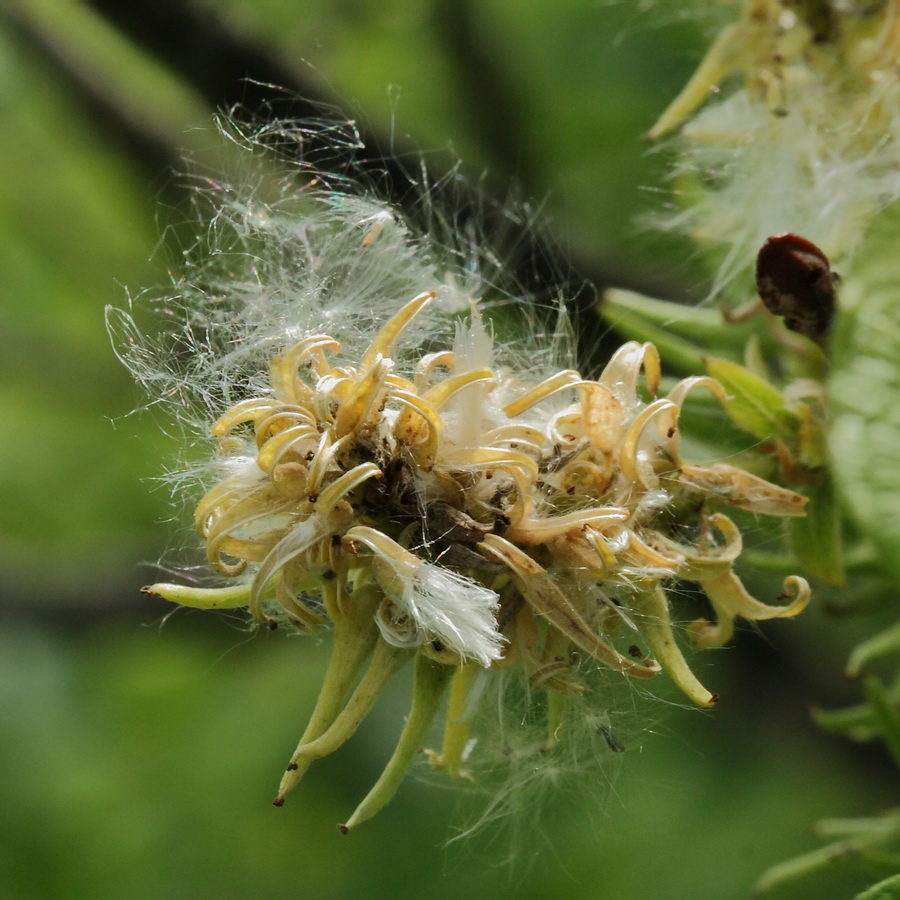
[{"x": 447, "y": 607}]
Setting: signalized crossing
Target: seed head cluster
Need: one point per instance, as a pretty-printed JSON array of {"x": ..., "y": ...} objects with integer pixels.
[{"x": 384, "y": 468}]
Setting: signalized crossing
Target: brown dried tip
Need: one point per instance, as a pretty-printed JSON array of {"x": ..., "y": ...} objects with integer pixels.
[
  {"x": 343, "y": 829},
  {"x": 278, "y": 801}
]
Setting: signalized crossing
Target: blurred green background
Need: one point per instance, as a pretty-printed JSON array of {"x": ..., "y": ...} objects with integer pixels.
[{"x": 140, "y": 748}]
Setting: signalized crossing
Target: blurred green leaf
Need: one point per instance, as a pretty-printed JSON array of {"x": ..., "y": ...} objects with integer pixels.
[
  {"x": 815, "y": 539},
  {"x": 623, "y": 311},
  {"x": 865, "y": 385},
  {"x": 889, "y": 889},
  {"x": 859, "y": 722},
  {"x": 887, "y": 716},
  {"x": 812, "y": 437},
  {"x": 864, "y": 839},
  {"x": 754, "y": 404},
  {"x": 884, "y": 643},
  {"x": 690, "y": 331}
]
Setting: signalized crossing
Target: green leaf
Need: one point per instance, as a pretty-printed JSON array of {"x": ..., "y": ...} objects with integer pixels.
[
  {"x": 882, "y": 644},
  {"x": 623, "y": 311},
  {"x": 801, "y": 867},
  {"x": 886, "y": 715},
  {"x": 854, "y": 722},
  {"x": 754, "y": 404},
  {"x": 700, "y": 328},
  {"x": 889, "y": 889},
  {"x": 815, "y": 538},
  {"x": 812, "y": 439},
  {"x": 859, "y": 722},
  {"x": 864, "y": 386}
]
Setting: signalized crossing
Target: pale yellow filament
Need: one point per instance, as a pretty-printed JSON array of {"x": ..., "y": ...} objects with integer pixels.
[{"x": 553, "y": 385}]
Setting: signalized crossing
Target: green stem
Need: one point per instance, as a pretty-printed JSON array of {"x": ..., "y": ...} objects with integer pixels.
[
  {"x": 354, "y": 638},
  {"x": 458, "y": 727},
  {"x": 386, "y": 661},
  {"x": 430, "y": 680},
  {"x": 656, "y": 626}
]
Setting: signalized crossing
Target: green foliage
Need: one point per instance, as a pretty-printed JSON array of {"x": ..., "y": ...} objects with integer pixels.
[
  {"x": 865, "y": 381},
  {"x": 136, "y": 759},
  {"x": 889, "y": 889},
  {"x": 816, "y": 539},
  {"x": 753, "y": 403}
]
